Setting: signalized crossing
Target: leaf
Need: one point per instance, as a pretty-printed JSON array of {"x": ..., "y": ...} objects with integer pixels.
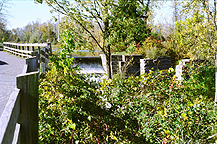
[{"x": 72, "y": 125}]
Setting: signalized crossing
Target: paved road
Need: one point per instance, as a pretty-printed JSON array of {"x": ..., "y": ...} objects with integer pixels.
[{"x": 10, "y": 67}]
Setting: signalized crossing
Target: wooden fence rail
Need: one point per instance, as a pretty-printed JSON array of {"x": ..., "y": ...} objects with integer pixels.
[
  {"x": 19, "y": 120},
  {"x": 41, "y": 51}
]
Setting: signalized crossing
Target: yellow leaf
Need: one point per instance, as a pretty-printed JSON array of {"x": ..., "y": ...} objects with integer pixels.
[
  {"x": 112, "y": 136},
  {"x": 183, "y": 115},
  {"x": 166, "y": 131},
  {"x": 72, "y": 125}
]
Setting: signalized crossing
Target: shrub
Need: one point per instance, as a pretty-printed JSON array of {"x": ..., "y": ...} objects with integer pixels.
[
  {"x": 152, "y": 108},
  {"x": 64, "y": 96},
  {"x": 200, "y": 78},
  {"x": 193, "y": 38},
  {"x": 151, "y": 48}
]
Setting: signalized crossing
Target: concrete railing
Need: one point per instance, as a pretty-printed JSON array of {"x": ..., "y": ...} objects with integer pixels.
[
  {"x": 19, "y": 120},
  {"x": 41, "y": 51}
]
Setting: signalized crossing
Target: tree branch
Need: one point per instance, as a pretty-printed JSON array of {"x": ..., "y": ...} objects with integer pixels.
[
  {"x": 96, "y": 10},
  {"x": 93, "y": 16},
  {"x": 77, "y": 21},
  {"x": 215, "y": 9}
]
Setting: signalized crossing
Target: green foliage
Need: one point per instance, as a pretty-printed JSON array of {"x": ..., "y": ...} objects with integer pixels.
[
  {"x": 4, "y": 39},
  {"x": 152, "y": 108},
  {"x": 81, "y": 39},
  {"x": 194, "y": 38},
  {"x": 200, "y": 79},
  {"x": 129, "y": 26},
  {"x": 161, "y": 109},
  {"x": 65, "y": 98},
  {"x": 67, "y": 40},
  {"x": 109, "y": 25},
  {"x": 151, "y": 48},
  {"x": 34, "y": 32}
]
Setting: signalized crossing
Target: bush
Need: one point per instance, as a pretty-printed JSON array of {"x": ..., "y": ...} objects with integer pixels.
[
  {"x": 193, "y": 38},
  {"x": 160, "y": 110},
  {"x": 151, "y": 48},
  {"x": 65, "y": 101},
  {"x": 152, "y": 108},
  {"x": 200, "y": 78}
]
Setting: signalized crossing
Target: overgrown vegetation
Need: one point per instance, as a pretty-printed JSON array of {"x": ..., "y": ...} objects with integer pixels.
[{"x": 152, "y": 108}]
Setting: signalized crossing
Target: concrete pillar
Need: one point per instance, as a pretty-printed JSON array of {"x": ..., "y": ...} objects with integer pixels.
[
  {"x": 179, "y": 69},
  {"x": 103, "y": 58}
]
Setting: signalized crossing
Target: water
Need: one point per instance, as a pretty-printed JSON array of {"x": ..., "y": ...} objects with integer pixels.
[
  {"x": 91, "y": 65},
  {"x": 77, "y": 53}
]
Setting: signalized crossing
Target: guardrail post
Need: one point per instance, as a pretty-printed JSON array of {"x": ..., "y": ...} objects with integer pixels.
[
  {"x": 39, "y": 56},
  {"x": 28, "y": 85},
  {"x": 32, "y": 64},
  {"x": 47, "y": 55},
  {"x": 50, "y": 48},
  {"x": 43, "y": 60}
]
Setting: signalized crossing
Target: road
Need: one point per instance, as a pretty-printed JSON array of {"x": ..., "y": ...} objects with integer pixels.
[{"x": 10, "y": 67}]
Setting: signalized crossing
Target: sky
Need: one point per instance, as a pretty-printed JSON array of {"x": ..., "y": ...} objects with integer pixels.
[{"x": 22, "y": 12}]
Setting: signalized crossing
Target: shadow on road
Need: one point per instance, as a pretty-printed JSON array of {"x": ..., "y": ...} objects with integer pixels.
[{"x": 3, "y": 63}]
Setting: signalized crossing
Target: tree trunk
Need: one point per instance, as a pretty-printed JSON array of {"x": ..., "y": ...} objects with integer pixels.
[{"x": 108, "y": 62}]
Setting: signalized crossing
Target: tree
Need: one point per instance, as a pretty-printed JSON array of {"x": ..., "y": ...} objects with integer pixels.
[
  {"x": 194, "y": 38},
  {"x": 35, "y": 32},
  {"x": 3, "y": 30},
  {"x": 17, "y": 35},
  {"x": 206, "y": 8},
  {"x": 2, "y": 14},
  {"x": 116, "y": 19}
]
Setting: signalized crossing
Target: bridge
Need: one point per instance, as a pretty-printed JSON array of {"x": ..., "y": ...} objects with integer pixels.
[{"x": 20, "y": 65}]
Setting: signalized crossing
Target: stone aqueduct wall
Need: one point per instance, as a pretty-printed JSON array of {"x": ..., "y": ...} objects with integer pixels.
[
  {"x": 160, "y": 63},
  {"x": 126, "y": 64},
  {"x": 135, "y": 64}
]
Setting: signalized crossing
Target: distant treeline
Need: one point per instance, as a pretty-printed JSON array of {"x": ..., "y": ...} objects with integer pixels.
[{"x": 34, "y": 32}]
